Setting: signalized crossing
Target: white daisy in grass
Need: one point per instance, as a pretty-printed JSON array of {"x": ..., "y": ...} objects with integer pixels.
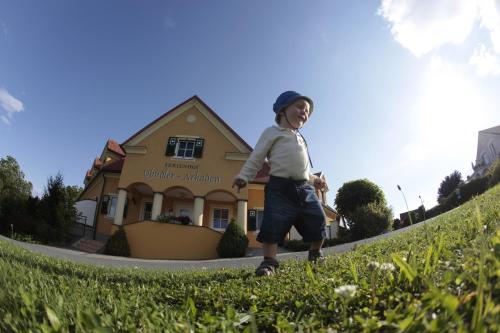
[
  {"x": 346, "y": 291},
  {"x": 386, "y": 266}
]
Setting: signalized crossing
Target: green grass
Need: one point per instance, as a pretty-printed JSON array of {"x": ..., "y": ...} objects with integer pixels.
[{"x": 445, "y": 279}]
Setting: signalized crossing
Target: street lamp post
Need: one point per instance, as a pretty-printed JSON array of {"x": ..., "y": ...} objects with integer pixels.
[
  {"x": 408, "y": 209},
  {"x": 423, "y": 207}
]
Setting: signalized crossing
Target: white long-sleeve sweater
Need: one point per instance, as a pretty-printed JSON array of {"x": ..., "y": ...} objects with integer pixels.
[{"x": 286, "y": 152}]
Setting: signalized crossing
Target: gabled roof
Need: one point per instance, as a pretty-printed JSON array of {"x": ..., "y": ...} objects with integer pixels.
[{"x": 179, "y": 108}]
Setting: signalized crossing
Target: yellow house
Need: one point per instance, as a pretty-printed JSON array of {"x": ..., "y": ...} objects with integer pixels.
[{"x": 180, "y": 167}]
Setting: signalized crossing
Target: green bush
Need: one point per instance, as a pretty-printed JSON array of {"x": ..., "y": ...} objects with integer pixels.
[
  {"x": 461, "y": 194},
  {"x": 472, "y": 188},
  {"x": 434, "y": 211},
  {"x": 117, "y": 244},
  {"x": 357, "y": 193},
  {"x": 370, "y": 220},
  {"x": 233, "y": 243},
  {"x": 494, "y": 173}
]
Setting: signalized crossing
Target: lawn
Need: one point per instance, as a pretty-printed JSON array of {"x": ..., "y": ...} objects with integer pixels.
[{"x": 441, "y": 277}]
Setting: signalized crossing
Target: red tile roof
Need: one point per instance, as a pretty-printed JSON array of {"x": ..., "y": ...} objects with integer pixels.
[
  {"x": 113, "y": 146},
  {"x": 97, "y": 163},
  {"x": 89, "y": 174}
]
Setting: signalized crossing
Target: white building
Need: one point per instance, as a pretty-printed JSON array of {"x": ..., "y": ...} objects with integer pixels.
[{"x": 488, "y": 150}]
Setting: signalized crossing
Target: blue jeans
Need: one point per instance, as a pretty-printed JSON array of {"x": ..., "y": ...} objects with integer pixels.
[{"x": 290, "y": 203}]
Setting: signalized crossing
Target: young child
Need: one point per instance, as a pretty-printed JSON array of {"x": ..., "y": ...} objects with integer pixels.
[{"x": 290, "y": 199}]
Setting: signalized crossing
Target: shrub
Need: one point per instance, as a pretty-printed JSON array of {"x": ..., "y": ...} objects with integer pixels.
[
  {"x": 370, "y": 220},
  {"x": 20, "y": 213},
  {"x": 357, "y": 193},
  {"x": 434, "y": 211},
  {"x": 164, "y": 218},
  {"x": 117, "y": 244},
  {"x": 233, "y": 243},
  {"x": 494, "y": 173},
  {"x": 474, "y": 187}
]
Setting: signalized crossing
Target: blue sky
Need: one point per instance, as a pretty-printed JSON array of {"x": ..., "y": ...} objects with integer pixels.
[{"x": 400, "y": 88}]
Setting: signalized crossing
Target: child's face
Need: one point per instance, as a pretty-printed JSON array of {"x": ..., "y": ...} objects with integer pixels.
[{"x": 297, "y": 114}]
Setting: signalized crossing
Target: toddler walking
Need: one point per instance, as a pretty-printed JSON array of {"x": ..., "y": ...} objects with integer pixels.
[{"x": 290, "y": 198}]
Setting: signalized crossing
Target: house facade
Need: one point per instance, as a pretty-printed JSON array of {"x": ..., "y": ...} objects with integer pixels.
[
  {"x": 488, "y": 150},
  {"x": 180, "y": 167}
]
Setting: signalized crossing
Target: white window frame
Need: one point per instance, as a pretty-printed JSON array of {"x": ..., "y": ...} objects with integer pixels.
[
  {"x": 229, "y": 215},
  {"x": 258, "y": 211},
  {"x": 177, "y": 147},
  {"x": 111, "y": 198}
]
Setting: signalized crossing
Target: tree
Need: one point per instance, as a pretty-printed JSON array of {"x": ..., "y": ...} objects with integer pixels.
[
  {"x": 448, "y": 185},
  {"x": 72, "y": 192},
  {"x": 357, "y": 193},
  {"x": 12, "y": 182},
  {"x": 15, "y": 192},
  {"x": 56, "y": 210}
]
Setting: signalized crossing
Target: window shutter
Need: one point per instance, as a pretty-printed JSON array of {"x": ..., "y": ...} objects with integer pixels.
[
  {"x": 198, "y": 148},
  {"x": 125, "y": 210},
  {"x": 104, "y": 204},
  {"x": 171, "y": 144},
  {"x": 252, "y": 220}
]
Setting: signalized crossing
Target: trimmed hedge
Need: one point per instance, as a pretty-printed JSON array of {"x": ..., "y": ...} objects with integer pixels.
[
  {"x": 117, "y": 244},
  {"x": 233, "y": 243},
  {"x": 494, "y": 173},
  {"x": 465, "y": 192},
  {"x": 371, "y": 220}
]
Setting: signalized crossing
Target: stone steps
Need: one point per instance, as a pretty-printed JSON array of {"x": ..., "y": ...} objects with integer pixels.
[{"x": 89, "y": 245}]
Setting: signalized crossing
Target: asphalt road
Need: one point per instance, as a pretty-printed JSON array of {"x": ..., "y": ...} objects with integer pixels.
[{"x": 178, "y": 265}]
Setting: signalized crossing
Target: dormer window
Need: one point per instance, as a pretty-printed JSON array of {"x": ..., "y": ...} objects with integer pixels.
[{"x": 188, "y": 148}]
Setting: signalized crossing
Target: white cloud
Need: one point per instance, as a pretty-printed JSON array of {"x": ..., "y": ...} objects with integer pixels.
[
  {"x": 5, "y": 119},
  {"x": 489, "y": 13},
  {"x": 10, "y": 105},
  {"x": 422, "y": 26},
  {"x": 485, "y": 61}
]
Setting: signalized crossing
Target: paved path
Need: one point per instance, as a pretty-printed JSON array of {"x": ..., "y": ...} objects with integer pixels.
[{"x": 176, "y": 265}]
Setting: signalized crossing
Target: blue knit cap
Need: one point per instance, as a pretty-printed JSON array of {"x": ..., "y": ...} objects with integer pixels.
[{"x": 287, "y": 98}]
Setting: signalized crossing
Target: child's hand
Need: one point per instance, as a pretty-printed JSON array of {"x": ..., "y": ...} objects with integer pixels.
[
  {"x": 320, "y": 183},
  {"x": 239, "y": 183}
]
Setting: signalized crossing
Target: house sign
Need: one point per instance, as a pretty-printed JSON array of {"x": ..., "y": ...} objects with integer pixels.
[{"x": 185, "y": 176}]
